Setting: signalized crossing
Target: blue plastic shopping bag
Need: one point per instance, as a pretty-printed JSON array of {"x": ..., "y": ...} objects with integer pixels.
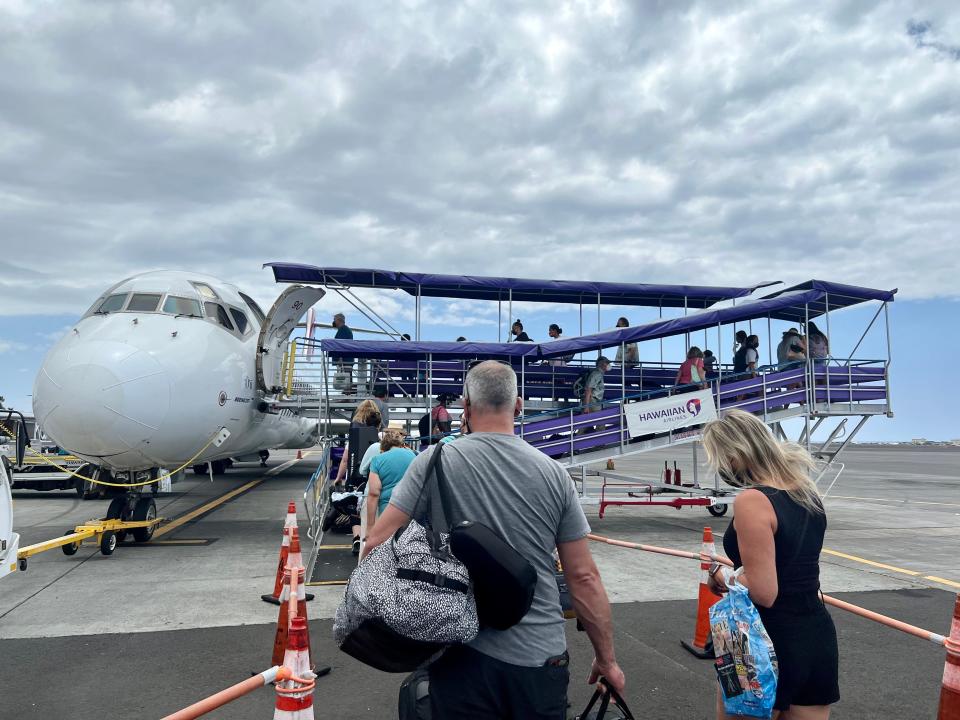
[{"x": 746, "y": 662}]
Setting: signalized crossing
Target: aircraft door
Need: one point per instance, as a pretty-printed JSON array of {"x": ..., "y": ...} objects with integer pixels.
[{"x": 280, "y": 322}]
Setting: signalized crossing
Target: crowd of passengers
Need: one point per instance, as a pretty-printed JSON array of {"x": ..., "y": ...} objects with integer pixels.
[
  {"x": 696, "y": 371},
  {"x": 775, "y": 537}
]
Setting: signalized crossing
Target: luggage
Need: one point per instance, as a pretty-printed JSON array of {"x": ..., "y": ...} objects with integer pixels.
[
  {"x": 408, "y": 600},
  {"x": 619, "y": 711},
  {"x": 414, "y": 701}
]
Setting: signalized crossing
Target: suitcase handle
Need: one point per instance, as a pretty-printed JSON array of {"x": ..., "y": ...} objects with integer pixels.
[{"x": 604, "y": 696}]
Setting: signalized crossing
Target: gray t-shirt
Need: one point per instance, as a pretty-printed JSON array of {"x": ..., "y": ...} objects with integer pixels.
[
  {"x": 595, "y": 383},
  {"x": 528, "y": 498}
]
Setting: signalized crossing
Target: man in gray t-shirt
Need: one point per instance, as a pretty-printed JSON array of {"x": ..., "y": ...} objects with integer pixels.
[{"x": 498, "y": 479}]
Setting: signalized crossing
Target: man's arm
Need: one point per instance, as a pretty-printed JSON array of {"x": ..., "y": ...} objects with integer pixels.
[
  {"x": 593, "y": 609},
  {"x": 392, "y": 520}
]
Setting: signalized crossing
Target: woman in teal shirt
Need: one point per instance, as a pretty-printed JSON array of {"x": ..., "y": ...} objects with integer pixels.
[{"x": 386, "y": 471}]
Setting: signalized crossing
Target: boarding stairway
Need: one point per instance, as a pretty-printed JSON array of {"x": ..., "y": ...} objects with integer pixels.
[{"x": 554, "y": 421}]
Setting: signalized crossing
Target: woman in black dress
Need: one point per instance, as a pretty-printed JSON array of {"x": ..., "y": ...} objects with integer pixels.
[{"x": 776, "y": 536}]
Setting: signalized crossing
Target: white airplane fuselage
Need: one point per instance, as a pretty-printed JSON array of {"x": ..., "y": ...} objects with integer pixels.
[{"x": 133, "y": 390}]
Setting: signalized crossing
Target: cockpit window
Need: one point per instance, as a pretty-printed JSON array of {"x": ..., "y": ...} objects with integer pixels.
[
  {"x": 182, "y": 306},
  {"x": 254, "y": 308},
  {"x": 144, "y": 302},
  {"x": 214, "y": 310},
  {"x": 240, "y": 319},
  {"x": 205, "y": 291},
  {"x": 112, "y": 304}
]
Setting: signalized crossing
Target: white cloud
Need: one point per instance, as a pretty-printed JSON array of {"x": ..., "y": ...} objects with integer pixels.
[{"x": 689, "y": 142}]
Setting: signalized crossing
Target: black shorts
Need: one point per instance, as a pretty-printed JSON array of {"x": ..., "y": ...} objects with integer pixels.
[
  {"x": 468, "y": 685},
  {"x": 806, "y": 643}
]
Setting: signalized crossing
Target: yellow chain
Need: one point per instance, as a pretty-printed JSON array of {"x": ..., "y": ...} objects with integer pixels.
[{"x": 47, "y": 460}]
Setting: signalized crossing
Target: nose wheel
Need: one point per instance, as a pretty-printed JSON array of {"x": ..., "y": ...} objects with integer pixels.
[{"x": 132, "y": 507}]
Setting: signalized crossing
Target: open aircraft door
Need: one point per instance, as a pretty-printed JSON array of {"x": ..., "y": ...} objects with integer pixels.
[{"x": 281, "y": 320}]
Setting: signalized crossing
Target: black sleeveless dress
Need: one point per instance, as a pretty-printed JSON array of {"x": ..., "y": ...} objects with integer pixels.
[{"x": 799, "y": 625}]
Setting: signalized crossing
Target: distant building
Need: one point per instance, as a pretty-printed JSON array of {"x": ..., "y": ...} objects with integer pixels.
[{"x": 919, "y": 441}]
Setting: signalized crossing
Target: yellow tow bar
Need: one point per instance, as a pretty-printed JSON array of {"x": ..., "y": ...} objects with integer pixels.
[{"x": 105, "y": 532}]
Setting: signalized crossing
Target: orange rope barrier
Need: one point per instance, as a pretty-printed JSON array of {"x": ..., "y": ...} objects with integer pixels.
[{"x": 919, "y": 632}]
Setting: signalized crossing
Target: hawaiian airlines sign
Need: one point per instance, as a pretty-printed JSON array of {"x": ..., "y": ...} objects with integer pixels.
[{"x": 670, "y": 413}]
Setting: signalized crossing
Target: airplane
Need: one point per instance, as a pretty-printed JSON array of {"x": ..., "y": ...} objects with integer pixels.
[{"x": 169, "y": 367}]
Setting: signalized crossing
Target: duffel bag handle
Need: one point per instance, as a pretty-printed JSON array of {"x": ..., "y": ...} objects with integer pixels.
[{"x": 605, "y": 696}]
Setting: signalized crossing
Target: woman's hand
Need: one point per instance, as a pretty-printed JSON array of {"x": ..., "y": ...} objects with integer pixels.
[{"x": 716, "y": 583}]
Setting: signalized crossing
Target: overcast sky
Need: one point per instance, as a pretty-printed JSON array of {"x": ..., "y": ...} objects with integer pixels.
[
  {"x": 673, "y": 141},
  {"x": 694, "y": 142}
]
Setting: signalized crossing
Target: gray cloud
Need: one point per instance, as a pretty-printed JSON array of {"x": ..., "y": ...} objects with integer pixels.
[{"x": 622, "y": 141}]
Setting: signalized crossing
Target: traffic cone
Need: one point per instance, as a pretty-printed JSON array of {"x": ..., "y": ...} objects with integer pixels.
[
  {"x": 283, "y": 622},
  {"x": 290, "y": 522},
  {"x": 610, "y": 464},
  {"x": 950, "y": 689},
  {"x": 702, "y": 645},
  {"x": 294, "y": 704},
  {"x": 299, "y": 455}
]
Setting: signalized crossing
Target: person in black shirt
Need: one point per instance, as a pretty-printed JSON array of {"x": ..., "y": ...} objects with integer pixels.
[
  {"x": 776, "y": 536},
  {"x": 518, "y": 334}
]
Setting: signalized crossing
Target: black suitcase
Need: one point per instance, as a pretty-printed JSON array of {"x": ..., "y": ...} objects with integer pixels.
[{"x": 414, "y": 701}]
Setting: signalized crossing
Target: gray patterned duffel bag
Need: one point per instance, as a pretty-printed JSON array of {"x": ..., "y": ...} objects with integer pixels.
[{"x": 409, "y": 599}]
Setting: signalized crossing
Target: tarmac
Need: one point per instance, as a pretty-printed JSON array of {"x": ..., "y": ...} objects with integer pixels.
[{"x": 156, "y": 627}]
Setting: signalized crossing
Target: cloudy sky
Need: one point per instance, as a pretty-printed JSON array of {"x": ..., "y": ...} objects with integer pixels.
[{"x": 696, "y": 142}]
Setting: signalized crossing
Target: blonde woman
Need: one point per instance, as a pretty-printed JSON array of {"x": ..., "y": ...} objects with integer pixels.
[
  {"x": 776, "y": 537},
  {"x": 386, "y": 472}
]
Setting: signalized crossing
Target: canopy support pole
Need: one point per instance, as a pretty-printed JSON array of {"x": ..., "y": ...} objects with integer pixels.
[
  {"x": 510, "y": 314},
  {"x": 623, "y": 388},
  {"x": 719, "y": 367},
  {"x": 660, "y": 309},
  {"x": 886, "y": 322},
  {"x": 826, "y": 314},
  {"x": 600, "y": 350},
  {"x": 686, "y": 335},
  {"x": 770, "y": 343},
  {"x": 499, "y": 319},
  {"x": 416, "y": 321}
]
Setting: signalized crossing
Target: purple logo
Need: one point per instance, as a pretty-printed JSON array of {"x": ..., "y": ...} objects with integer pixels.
[{"x": 693, "y": 407}]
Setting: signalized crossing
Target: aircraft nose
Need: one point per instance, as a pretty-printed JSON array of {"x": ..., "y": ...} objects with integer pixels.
[{"x": 101, "y": 398}]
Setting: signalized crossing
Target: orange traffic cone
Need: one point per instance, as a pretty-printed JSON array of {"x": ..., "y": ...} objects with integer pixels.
[
  {"x": 290, "y": 522},
  {"x": 283, "y": 622},
  {"x": 702, "y": 645},
  {"x": 299, "y": 455},
  {"x": 295, "y": 703},
  {"x": 950, "y": 690}
]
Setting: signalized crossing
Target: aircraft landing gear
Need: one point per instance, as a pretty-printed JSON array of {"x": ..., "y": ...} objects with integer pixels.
[
  {"x": 132, "y": 507},
  {"x": 264, "y": 456}
]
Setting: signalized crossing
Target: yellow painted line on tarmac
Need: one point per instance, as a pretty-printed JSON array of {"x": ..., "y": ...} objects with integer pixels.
[
  {"x": 183, "y": 541},
  {"x": 326, "y": 582},
  {"x": 871, "y": 563},
  {"x": 334, "y": 547},
  {"x": 216, "y": 502},
  {"x": 941, "y": 580}
]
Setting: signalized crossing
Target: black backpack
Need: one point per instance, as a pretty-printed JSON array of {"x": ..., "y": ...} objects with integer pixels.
[
  {"x": 740, "y": 360},
  {"x": 424, "y": 427}
]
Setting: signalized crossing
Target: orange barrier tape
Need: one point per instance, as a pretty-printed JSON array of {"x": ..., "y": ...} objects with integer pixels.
[{"x": 919, "y": 632}]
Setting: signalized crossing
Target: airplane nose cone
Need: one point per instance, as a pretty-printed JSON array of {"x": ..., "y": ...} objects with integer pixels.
[{"x": 101, "y": 397}]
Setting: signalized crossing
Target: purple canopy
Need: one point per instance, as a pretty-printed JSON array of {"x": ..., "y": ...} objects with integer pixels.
[
  {"x": 795, "y": 305},
  {"x": 477, "y": 287}
]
